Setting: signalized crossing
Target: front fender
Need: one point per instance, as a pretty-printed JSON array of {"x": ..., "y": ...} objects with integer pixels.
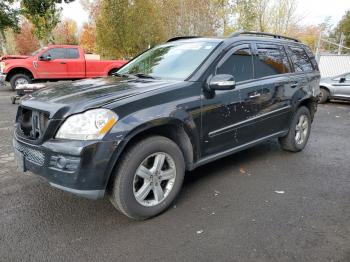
[{"x": 129, "y": 127}]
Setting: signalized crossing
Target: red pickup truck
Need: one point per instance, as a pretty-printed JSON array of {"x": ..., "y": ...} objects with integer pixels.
[{"x": 53, "y": 63}]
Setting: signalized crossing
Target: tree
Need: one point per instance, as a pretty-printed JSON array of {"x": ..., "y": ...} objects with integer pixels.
[
  {"x": 66, "y": 33},
  {"x": 189, "y": 17},
  {"x": 87, "y": 38},
  {"x": 26, "y": 43},
  {"x": 8, "y": 20},
  {"x": 124, "y": 28},
  {"x": 44, "y": 15},
  {"x": 283, "y": 16},
  {"x": 88, "y": 35},
  {"x": 343, "y": 27}
]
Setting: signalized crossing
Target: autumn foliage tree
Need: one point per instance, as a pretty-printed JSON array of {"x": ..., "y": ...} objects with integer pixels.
[
  {"x": 25, "y": 41},
  {"x": 66, "y": 33},
  {"x": 88, "y": 38}
]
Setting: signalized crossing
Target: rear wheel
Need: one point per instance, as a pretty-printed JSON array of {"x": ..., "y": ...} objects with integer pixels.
[
  {"x": 324, "y": 96},
  {"x": 19, "y": 79},
  {"x": 299, "y": 131},
  {"x": 148, "y": 178}
]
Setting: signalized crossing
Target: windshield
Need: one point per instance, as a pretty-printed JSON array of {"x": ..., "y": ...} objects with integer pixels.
[
  {"x": 37, "y": 51},
  {"x": 177, "y": 60}
]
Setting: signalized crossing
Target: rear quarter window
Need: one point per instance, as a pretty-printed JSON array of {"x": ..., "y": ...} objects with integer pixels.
[{"x": 300, "y": 59}]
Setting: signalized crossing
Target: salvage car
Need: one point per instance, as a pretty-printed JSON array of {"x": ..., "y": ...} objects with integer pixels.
[
  {"x": 336, "y": 87},
  {"x": 175, "y": 107},
  {"x": 53, "y": 63}
]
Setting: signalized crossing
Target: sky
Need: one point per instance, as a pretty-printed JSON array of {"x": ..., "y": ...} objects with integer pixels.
[{"x": 311, "y": 11}]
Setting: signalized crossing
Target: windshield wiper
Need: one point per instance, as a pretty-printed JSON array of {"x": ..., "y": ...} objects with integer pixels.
[
  {"x": 124, "y": 75},
  {"x": 142, "y": 75},
  {"x": 135, "y": 75}
]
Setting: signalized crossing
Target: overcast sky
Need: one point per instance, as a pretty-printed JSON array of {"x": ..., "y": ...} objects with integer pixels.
[{"x": 311, "y": 11}]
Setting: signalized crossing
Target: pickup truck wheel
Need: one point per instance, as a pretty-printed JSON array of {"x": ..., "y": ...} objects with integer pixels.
[
  {"x": 299, "y": 131},
  {"x": 324, "y": 96},
  {"x": 148, "y": 178},
  {"x": 19, "y": 79}
]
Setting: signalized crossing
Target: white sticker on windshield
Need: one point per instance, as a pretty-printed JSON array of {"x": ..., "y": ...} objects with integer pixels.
[{"x": 190, "y": 46}]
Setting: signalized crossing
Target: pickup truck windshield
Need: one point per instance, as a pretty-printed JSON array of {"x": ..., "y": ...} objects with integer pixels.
[
  {"x": 37, "y": 51},
  {"x": 171, "y": 61}
]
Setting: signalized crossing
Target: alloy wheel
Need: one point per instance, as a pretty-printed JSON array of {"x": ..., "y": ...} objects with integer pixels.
[
  {"x": 154, "y": 179},
  {"x": 301, "y": 129}
]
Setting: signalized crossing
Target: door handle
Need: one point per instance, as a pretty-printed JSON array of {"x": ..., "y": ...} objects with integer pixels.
[
  {"x": 255, "y": 95},
  {"x": 63, "y": 63}
]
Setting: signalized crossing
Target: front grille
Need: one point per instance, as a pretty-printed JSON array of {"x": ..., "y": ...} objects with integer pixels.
[
  {"x": 33, "y": 155},
  {"x": 32, "y": 124}
]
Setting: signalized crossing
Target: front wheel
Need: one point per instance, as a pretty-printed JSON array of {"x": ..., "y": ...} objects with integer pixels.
[
  {"x": 148, "y": 178},
  {"x": 299, "y": 131},
  {"x": 19, "y": 79}
]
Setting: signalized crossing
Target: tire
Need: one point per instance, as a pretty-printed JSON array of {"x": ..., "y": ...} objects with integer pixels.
[
  {"x": 127, "y": 185},
  {"x": 324, "y": 96},
  {"x": 17, "y": 78},
  {"x": 290, "y": 142}
]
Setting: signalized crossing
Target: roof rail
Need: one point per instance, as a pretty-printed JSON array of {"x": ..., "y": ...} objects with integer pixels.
[
  {"x": 181, "y": 37},
  {"x": 235, "y": 34}
]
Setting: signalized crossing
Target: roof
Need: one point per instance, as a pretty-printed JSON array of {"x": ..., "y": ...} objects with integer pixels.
[{"x": 239, "y": 36}]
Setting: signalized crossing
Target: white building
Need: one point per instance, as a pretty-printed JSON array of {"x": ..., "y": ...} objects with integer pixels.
[{"x": 332, "y": 64}]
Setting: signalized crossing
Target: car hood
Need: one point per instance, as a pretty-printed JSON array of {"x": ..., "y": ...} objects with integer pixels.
[
  {"x": 71, "y": 97},
  {"x": 8, "y": 57}
]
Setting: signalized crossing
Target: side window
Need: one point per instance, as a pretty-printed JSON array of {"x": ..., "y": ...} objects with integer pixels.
[
  {"x": 272, "y": 60},
  {"x": 239, "y": 64},
  {"x": 300, "y": 59},
  {"x": 56, "y": 53},
  {"x": 312, "y": 58},
  {"x": 72, "y": 53}
]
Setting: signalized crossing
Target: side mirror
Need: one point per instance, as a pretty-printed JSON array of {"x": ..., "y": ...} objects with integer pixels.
[
  {"x": 45, "y": 57},
  {"x": 222, "y": 82},
  {"x": 342, "y": 80}
]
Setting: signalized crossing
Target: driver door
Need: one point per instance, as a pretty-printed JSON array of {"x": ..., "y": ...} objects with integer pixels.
[
  {"x": 55, "y": 67},
  {"x": 228, "y": 115},
  {"x": 342, "y": 88}
]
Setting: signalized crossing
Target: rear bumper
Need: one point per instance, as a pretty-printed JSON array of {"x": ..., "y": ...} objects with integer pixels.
[{"x": 78, "y": 167}]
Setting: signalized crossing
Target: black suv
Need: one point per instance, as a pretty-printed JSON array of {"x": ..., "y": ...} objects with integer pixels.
[{"x": 173, "y": 108}]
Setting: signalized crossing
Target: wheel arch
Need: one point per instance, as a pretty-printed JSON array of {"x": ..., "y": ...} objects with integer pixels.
[
  {"x": 173, "y": 129},
  {"x": 112, "y": 70},
  {"x": 311, "y": 104},
  {"x": 19, "y": 70}
]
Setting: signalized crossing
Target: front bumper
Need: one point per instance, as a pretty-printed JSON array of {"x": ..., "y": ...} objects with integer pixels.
[
  {"x": 2, "y": 79},
  {"x": 79, "y": 167}
]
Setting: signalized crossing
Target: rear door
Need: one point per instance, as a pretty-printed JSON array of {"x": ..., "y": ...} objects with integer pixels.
[
  {"x": 75, "y": 63},
  {"x": 304, "y": 78},
  {"x": 272, "y": 70},
  {"x": 55, "y": 68}
]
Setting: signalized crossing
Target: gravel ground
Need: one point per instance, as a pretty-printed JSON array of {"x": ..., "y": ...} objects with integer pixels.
[{"x": 262, "y": 204}]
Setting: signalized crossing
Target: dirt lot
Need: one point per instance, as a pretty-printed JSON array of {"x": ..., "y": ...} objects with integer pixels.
[{"x": 262, "y": 204}]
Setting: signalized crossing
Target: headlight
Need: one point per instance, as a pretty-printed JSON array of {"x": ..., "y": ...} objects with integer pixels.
[
  {"x": 91, "y": 125},
  {"x": 2, "y": 67}
]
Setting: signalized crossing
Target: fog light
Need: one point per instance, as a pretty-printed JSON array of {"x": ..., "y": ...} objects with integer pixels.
[{"x": 64, "y": 163}]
